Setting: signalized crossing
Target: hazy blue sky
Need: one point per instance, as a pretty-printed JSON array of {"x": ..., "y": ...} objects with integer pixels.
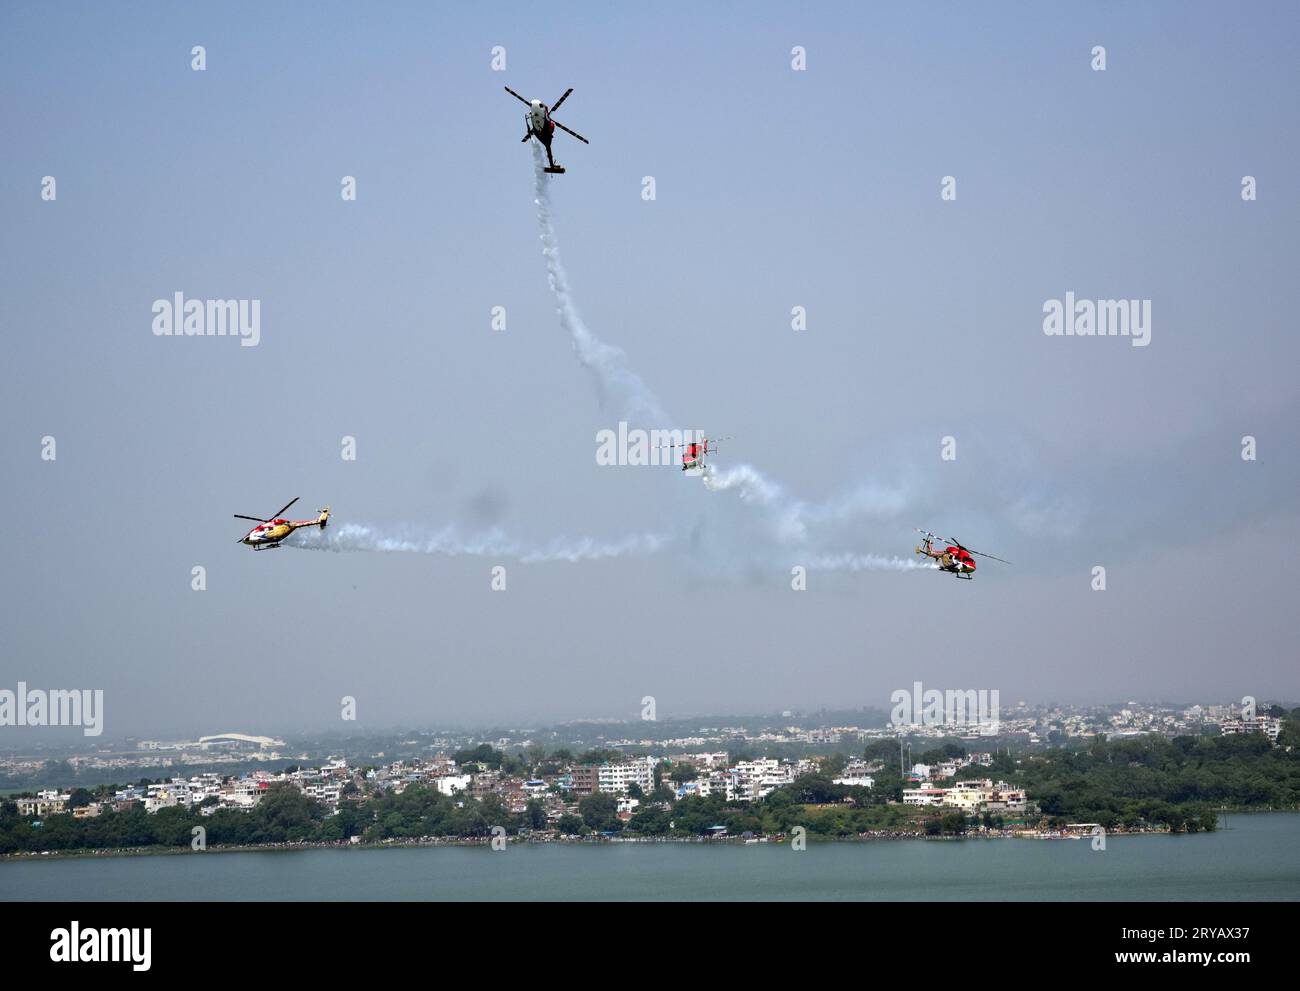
[{"x": 775, "y": 188}]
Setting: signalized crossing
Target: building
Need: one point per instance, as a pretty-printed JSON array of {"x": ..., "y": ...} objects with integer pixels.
[
  {"x": 239, "y": 741},
  {"x": 716, "y": 759},
  {"x": 328, "y": 793},
  {"x": 751, "y": 780},
  {"x": 980, "y": 795},
  {"x": 1270, "y": 726},
  {"x": 449, "y": 784},
  {"x": 855, "y": 775},
  {"x": 46, "y": 803},
  {"x": 586, "y": 778},
  {"x": 923, "y": 796},
  {"x": 615, "y": 776},
  {"x": 970, "y": 796}
]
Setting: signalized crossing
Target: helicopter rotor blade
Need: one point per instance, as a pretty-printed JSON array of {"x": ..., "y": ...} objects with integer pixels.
[
  {"x": 566, "y": 130},
  {"x": 556, "y": 105},
  {"x": 701, "y": 442},
  {"x": 255, "y": 519},
  {"x": 286, "y": 506},
  {"x": 517, "y": 96},
  {"x": 959, "y": 544},
  {"x": 982, "y": 554}
]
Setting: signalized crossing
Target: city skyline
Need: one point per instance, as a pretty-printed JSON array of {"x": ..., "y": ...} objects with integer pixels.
[{"x": 1211, "y": 710}]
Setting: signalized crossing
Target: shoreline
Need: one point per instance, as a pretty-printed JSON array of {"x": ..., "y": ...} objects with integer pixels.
[{"x": 470, "y": 841}]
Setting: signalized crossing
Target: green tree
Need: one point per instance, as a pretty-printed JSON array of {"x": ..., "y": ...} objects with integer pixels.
[
  {"x": 570, "y": 824},
  {"x": 599, "y": 810},
  {"x": 650, "y": 821},
  {"x": 682, "y": 772},
  {"x": 535, "y": 814}
]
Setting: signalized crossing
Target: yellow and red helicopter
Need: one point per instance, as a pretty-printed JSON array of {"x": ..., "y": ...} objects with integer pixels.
[
  {"x": 694, "y": 453},
  {"x": 269, "y": 532},
  {"x": 542, "y": 127},
  {"x": 954, "y": 558}
]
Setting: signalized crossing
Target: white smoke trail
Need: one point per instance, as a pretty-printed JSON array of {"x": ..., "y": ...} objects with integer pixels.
[
  {"x": 753, "y": 487},
  {"x": 793, "y": 519},
  {"x": 607, "y": 364},
  {"x": 751, "y": 484},
  {"x": 868, "y": 562},
  {"x": 788, "y": 518},
  {"x": 449, "y": 542},
  {"x": 614, "y": 380}
]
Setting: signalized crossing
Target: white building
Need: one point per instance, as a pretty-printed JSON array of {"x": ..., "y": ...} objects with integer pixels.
[
  {"x": 923, "y": 796},
  {"x": 178, "y": 791},
  {"x": 616, "y": 776},
  {"x": 1270, "y": 726},
  {"x": 855, "y": 774},
  {"x": 45, "y": 803},
  {"x": 326, "y": 792},
  {"x": 969, "y": 795},
  {"x": 449, "y": 784},
  {"x": 718, "y": 759},
  {"x": 751, "y": 780}
]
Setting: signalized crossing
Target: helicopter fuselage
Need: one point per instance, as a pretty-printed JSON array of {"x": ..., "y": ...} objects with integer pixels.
[
  {"x": 951, "y": 559},
  {"x": 269, "y": 534},
  {"x": 539, "y": 120},
  {"x": 541, "y": 127}
]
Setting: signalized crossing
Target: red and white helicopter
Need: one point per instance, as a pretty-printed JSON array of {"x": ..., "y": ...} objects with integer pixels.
[
  {"x": 954, "y": 558},
  {"x": 269, "y": 532},
  {"x": 542, "y": 127},
  {"x": 694, "y": 453}
]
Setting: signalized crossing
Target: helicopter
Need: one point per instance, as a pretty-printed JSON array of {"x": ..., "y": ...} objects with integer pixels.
[
  {"x": 542, "y": 127},
  {"x": 955, "y": 558},
  {"x": 693, "y": 453},
  {"x": 269, "y": 532}
]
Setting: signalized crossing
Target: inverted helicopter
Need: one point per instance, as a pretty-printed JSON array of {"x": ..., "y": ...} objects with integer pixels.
[
  {"x": 694, "y": 452},
  {"x": 542, "y": 126}
]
